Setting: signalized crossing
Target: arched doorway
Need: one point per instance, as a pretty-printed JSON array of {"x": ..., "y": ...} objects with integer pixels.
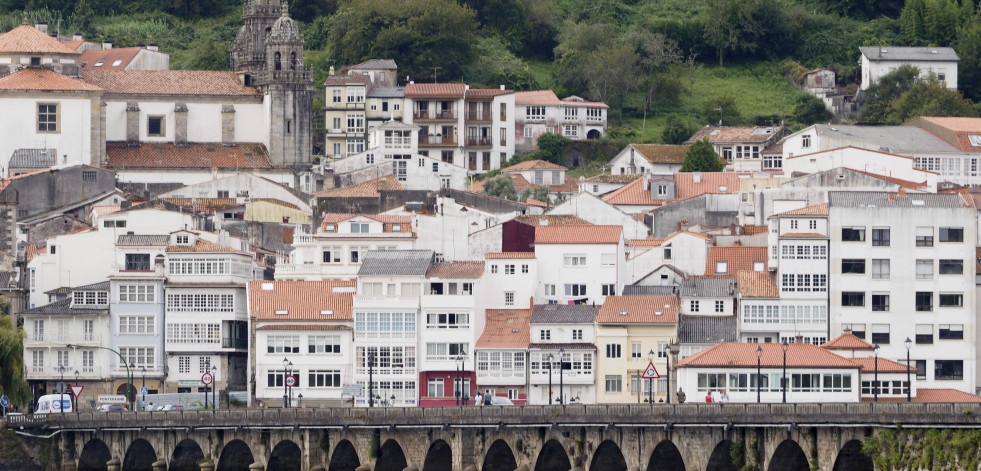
[
  {"x": 285, "y": 457},
  {"x": 553, "y": 458},
  {"x": 439, "y": 457},
  {"x": 235, "y": 456},
  {"x": 499, "y": 458},
  {"x": 127, "y": 390},
  {"x": 594, "y": 134},
  {"x": 187, "y": 454},
  {"x": 344, "y": 458},
  {"x": 94, "y": 456},
  {"x": 666, "y": 457},
  {"x": 788, "y": 457},
  {"x": 139, "y": 456},
  {"x": 391, "y": 457},
  {"x": 721, "y": 458},
  {"x": 851, "y": 458},
  {"x": 608, "y": 457}
]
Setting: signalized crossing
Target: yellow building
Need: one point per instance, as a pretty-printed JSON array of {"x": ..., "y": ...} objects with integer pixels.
[{"x": 630, "y": 331}]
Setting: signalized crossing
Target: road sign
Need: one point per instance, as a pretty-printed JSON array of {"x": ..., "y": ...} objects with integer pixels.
[
  {"x": 143, "y": 391},
  {"x": 4, "y": 402},
  {"x": 62, "y": 388},
  {"x": 77, "y": 389},
  {"x": 651, "y": 372},
  {"x": 111, "y": 399},
  {"x": 291, "y": 381},
  {"x": 351, "y": 390},
  {"x": 207, "y": 379}
]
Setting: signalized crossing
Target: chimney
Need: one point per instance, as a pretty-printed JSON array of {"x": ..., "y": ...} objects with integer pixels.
[
  {"x": 737, "y": 244},
  {"x": 153, "y": 47},
  {"x": 330, "y": 72},
  {"x": 106, "y": 45},
  {"x": 466, "y": 86},
  {"x": 41, "y": 26},
  {"x": 892, "y": 198},
  {"x": 502, "y": 86},
  {"x": 683, "y": 225},
  {"x": 902, "y": 193},
  {"x": 696, "y": 177},
  {"x": 77, "y": 37}
]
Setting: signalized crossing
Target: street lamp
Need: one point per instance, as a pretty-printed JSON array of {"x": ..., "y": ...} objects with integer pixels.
[
  {"x": 286, "y": 397},
  {"x": 561, "y": 375},
  {"x": 129, "y": 373},
  {"x": 550, "y": 358},
  {"x": 909, "y": 383},
  {"x": 759, "y": 377},
  {"x": 214, "y": 386},
  {"x": 61, "y": 391},
  {"x": 650, "y": 381},
  {"x": 290, "y": 387},
  {"x": 143, "y": 387},
  {"x": 461, "y": 395},
  {"x": 667, "y": 371},
  {"x": 875, "y": 382},
  {"x": 371, "y": 390},
  {"x": 783, "y": 380},
  {"x": 132, "y": 366},
  {"x": 74, "y": 397},
  {"x": 299, "y": 400}
]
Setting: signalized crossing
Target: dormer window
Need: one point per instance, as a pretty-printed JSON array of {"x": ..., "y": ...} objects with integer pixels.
[
  {"x": 35, "y": 61},
  {"x": 721, "y": 267},
  {"x": 282, "y": 312},
  {"x": 183, "y": 239},
  {"x": 330, "y": 227},
  {"x": 90, "y": 298},
  {"x": 396, "y": 228},
  {"x": 359, "y": 228}
]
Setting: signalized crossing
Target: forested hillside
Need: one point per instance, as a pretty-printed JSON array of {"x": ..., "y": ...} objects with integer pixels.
[{"x": 665, "y": 67}]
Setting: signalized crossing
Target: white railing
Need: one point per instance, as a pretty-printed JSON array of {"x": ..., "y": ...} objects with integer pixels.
[
  {"x": 375, "y": 371},
  {"x": 385, "y": 335}
]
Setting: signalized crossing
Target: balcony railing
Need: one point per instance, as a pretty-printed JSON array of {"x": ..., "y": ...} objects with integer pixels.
[
  {"x": 479, "y": 141},
  {"x": 386, "y": 371},
  {"x": 398, "y": 141},
  {"x": 424, "y": 114},
  {"x": 437, "y": 140},
  {"x": 477, "y": 116}
]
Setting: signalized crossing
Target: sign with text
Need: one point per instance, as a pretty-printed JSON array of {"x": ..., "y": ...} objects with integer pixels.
[
  {"x": 291, "y": 381},
  {"x": 111, "y": 399},
  {"x": 351, "y": 390},
  {"x": 207, "y": 378}
]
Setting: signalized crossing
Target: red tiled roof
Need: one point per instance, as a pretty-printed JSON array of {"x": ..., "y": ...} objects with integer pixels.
[
  {"x": 536, "y": 97},
  {"x": 506, "y": 328},
  {"x": 646, "y": 242},
  {"x": 847, "y": 341},
  {"x": 757, "y": 284},
  {"x": 108, "y": 57},
  {"x": 743, "y": 355},
  {"x": 686, "y": 186},
  {"x": 942, "y": 395},
  {"x": 509, "y": 255},
  {"x": 303, "y": 300},
  {"x": 387, "y": 220},
  {"x": 195, "y": 155},
  {"x": 169, "y": 82},
  {"x": 534, "y": 202},
  {"x": 203, "y": 246},
  {"x": 28, "y": 40},
  {"x": 456, "y": 270},
  {"x": 633, "y": 193},
  {"x": 365, "y": 189},
  {"x": 487, "y": 92},
  {"x": 733, "y": 134},
  {"x": 578, "y": 234},
  {"x": 304, "y": 327},
  {"x": 37, "y": 78},
  {"x": 74, "y": 45},
  {"x": 533, "y": 165},
  {"x": 813, "y": 210},
  {"x": 738, "y": 259},
  {"x": 434, "y": 90},
  {"x": 885, "y": 366},
  {"x": 804, "y": 235},
  {"x": 105, "y": 210},
  {"x": 639, "y": 310},
  {"x": 750, "y": 229}
]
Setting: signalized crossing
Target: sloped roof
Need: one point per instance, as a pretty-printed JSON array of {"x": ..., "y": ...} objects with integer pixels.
[
  {"x": 890, "y": 139},
  {"x": 26, "y": 39},
  {"x": 143, "y": 239},
  {"x": 737, "y": 258},
  {"x": 868, "y": 365},
  {"x": 813, "y": 210},
  {"x": 639, "y": 310},
  {"x": 550, "y": 219},
  {"x": 396, "y": 262},
  {"x": 169, "y": 82},
  {"x": 389, "y": 221},
  {"x": 109, "y": 57},
  {"x": 434, "y": 90},
  {"x": 369, "y": 188},
  {"x": 509, "y": 255},
  {"x": 724, "y": 134},
  {"x": 633, "y": 193},
  {"x": 375, "y": 64},
  {"x": 63, "y": 306},
  {"x": 193, "y": 155},
  {"x": 743, "y": 355},
  {"x": 708, "y": 287},
  {"x": 608, "y": 178},
  {"x": 506, "y": 328},
  {"x": 885, "y": 199},
  {"x": 338, "y": 80},
  {"x": 899, "y": 181},
  {"x": 947, "y": 396},
  {"x": 757, "y": 284},
  {"x": 203, "y": 246},
  {"x": 690, "y": 184},
  {"x": 648, "y": 290},
  {"x": 536, "y": 97},
  {"x": 302, "y": 300},
  {"x": 893, "y": 53},
  {"x": 564, "y": 314},
  {"x": 386, "y": 92},
  {"x": 33, "y": 158},
  {"x": 578, "y": 234},
  {"x": 487, "y": 92},
  {"x": 663, "y": 153},
  {"x": 707, "y": 329},
  {"x": 38, "y": 78},
  {"x": 533, "y": 165},
  {"x": 457, "y": 270},
  {"x": 847, "y": 341}
]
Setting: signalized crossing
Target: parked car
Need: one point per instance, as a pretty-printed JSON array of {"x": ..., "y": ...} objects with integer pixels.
[
  {"x": 112, "y": 408},
  {"x": 501, "y": 401}
]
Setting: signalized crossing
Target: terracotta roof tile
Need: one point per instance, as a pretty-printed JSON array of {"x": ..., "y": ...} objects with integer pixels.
[
  {"x": 27, "y": 39},
  {"x": 847, "y": 341},
  {"x": 203, "y": 246},
  {"x": 533, "y": 165},
  {"x": 639, "y": 310},
  {"x": 108, "y": 57},
  {"x": 487, "y": 92},
  {"x": 169, "y": 82},
  {"x": 534, "y": 202},
  {"x": 509, "y": 255},
  {"x": 389, "y": 221},
  {"x": 735, "y": 134},
  {"x": 304, "y": 327},
  {"x": 37, "y": 78},
  {"x": 737, "y": 259},
  {"x": 204, "y": 203},
  {"x": 338, "y": 80},
  {"x": 977, "y": 260},
  {"x": 885, "y": 365},
  {"x": 537, "y": 97},
  {"x": 506, "y": 328},
  {"x": 206, "y": 156},
  {"x": 457, "y": 270},
  {"x": 578, "y": 234},
  {"x": 750, "y": 229},
  {"x": 813, "y": 210},
  {"x": 607, "y": 178},
  {"x": 942, "y": 395},
  {"x": 743, "y": 355},
  {"x": 633, "y": 193},
  {"x": 365, "y": 189},
  {"x": 757, "y": 284},
  {"x": 302, "y": 300},
  {"x": 434, "y": 90},
  {"x": 663, "y": 153},
  {"x": 105, "y": 210},
  {"x": 550, "y": 219},
  {"x": 725, "y": 183}
]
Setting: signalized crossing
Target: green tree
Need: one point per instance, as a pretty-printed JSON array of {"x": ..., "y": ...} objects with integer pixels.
[
  {"x": 12, "y": 382},
  {"x": 551, "y": 147},
  {"x": 720, "y": 110},
  {"x": 676, "y": 131},
  {"x": 539, "y": 193},
  {"x": 495, "y": 64},
  {"x": 929, "y": 98},
  {"x": 502, "y": 187},
  {"x": 810, "y": 109},
  {"x": 879, "y": 96},
  {"x": 701, "y": 157},
  {"x": 592, "y": 57},
  {"x": 82, "y": 16},
  {"x": 968, "y": 47}
]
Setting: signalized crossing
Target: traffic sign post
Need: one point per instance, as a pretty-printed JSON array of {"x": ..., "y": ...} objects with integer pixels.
[
  {"x": 4, "y": 402},
  {"x": 651, "y": 372},
  {"x": 291, "y": 381},
  {"x": 207, "y": 379},
  {"x": 76, "y": 390}
]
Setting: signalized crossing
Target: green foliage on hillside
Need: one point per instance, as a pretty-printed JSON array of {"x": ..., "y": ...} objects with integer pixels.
[{"x": 701, "y": 157}]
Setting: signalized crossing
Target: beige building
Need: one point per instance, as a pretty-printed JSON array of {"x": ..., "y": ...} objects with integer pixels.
[{"x": 632, "y": 331}]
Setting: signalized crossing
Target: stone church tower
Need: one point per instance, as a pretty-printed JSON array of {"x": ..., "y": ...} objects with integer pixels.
[{"x": 268, "y": 53}]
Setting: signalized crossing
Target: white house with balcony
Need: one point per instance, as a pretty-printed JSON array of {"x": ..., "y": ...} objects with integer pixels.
[
  {"x": 336, "y": 250},
  {"x": 879, "y": 60},
  {"x": 578, "y": 264},
  {"x": 562, "y": 335},
  {"x": 502, "y": 354},
  {"x": 541, "y": 111}
]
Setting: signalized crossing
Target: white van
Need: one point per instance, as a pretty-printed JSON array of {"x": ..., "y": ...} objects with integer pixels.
[{"x": 54, "y": 404}]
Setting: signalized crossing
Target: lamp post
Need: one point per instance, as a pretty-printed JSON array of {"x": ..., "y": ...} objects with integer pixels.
[
  {"x": 550, "y": 358},
  {"x": 457, "y": 383},
  {"x": 129, "y": 373},
  {"x": 909, "y": 383},
  {"x": 561, "y": 375},
  {"x": 61, "y": 392},
  {"x": 132, "y": 366},
  {"x": 286, "y": 397},
  {"x": 667, "y": 371},
  {"x": 214, "y": 386},
  {"x": 75, "y": 398},
  {"x": 783, "y": 381},
  {"x": 875, "y": 381},
  {"x": 290, "y": 388},
  {"x": 299, "y": 400},
  {"x": 650, "y": 381},
  {"x": 371, "y": 390},
  {"x": 143, "y": 387},
  {"x": 759, "y": 377}
]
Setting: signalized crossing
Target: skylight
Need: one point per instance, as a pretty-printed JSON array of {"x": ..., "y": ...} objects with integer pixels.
[
  {"x": 975, "y": 139},
  {"x": 116, "y": 62}
]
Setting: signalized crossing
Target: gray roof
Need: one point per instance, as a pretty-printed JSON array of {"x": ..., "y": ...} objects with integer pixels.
[
  {"x": 396, "y": 262},
  {"x": 387, "y": 92},
  {"x": 881, "y": 199},
  {"x": 143, "y": 239},
  {"x": 100, "y": 286},
  {"x": 375, "y": 64},
  {"x": 642, "y": 290},
  {"x": 63, "y": 307},
  {"x": 392, "y": 124},
  {"x": 708, "y": 287},
  {"x": 33, "y": 158},
  {"x": 706, "y": 329},
  {"x": 564, "y": 314},
  {"x": 894, "y": 139},
  {"x": 890, "y": 53}
]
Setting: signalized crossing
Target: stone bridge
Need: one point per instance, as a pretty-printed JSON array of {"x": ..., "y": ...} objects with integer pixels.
[{"x": 679, "y": 437}]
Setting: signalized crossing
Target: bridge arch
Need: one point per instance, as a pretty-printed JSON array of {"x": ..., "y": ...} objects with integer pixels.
[
  {"x": 499, "y": 457},
  {"x": 851, "y": 458},
  {"x": 439, "y": 457},
  {"x": 666, "y": 457},
  {"x": 721, "y": 458},
  {"x": 187, "y": 454},
  {"x": 788, "y": 457},
  {"x": 553, "y": 457},
  {"x": 344, "y": 457},
  {"x": 139, "y": 456},
  {"x": 286, "y": 456},
  {"x": 391, "y": 457},
  {"x": 608, "y": 457},
  {"x": 94, "y": 456},
  {"x": 235, "y": 456}
]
